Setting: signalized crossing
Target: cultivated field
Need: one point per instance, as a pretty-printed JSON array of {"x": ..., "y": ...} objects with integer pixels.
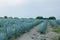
[{"x": 29, "y": 29}]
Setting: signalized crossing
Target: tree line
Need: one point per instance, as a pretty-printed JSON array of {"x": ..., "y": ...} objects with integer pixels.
[
  {"x": 50, "y": 18},
  {"x": 38, "y": 17}
]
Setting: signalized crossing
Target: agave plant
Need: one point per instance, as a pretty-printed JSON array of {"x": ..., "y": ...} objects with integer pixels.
[
  {"x": 14, "y": 27},
  {"x": 42, "y": 27},
  {"x": 53, "y": 23}
]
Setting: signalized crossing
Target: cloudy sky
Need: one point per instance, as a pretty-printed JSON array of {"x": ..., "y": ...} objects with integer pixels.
[{"x": 30, "y": 8}]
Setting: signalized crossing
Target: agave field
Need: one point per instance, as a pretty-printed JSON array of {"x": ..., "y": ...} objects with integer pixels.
[{"x": 14, "y": 28}]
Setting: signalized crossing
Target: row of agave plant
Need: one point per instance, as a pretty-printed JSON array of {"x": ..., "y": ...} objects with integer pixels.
[
  {"x": 54, "y": 23},
  {"x": 15, "y": 27},
  {"x": 43, "y": 26}
]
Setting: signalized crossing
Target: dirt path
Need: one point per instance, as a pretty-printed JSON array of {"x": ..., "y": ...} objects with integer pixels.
[
  {"x": 30, "y": 35},
  {"x": 49, "y": 34}
]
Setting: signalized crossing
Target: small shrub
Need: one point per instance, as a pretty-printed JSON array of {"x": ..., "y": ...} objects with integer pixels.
[
  {"x": 39, "y": 17},
  {"x": 5, "y": 17}
]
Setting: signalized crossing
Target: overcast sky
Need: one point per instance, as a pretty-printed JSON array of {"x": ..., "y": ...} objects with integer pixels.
[{"x": 30, "y": 8}]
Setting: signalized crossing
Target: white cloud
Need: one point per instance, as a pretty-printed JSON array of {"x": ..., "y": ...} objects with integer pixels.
[
  {"x": 3, "y": 3},
  {"x": 11, "y": 2},
  {"x": 14, "y": 2},
  {"x": 18, "y": 2}
]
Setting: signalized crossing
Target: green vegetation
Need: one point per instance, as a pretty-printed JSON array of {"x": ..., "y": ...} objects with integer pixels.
[
  {"x": 13, "y": 27},
  {"x": 57, "y": 30},
  {"x": 5, "y": 17},
  {"x": 52, "y": 18},
  {"x": 39, "y": 17},
  {"x": 43, "y": 27}
]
